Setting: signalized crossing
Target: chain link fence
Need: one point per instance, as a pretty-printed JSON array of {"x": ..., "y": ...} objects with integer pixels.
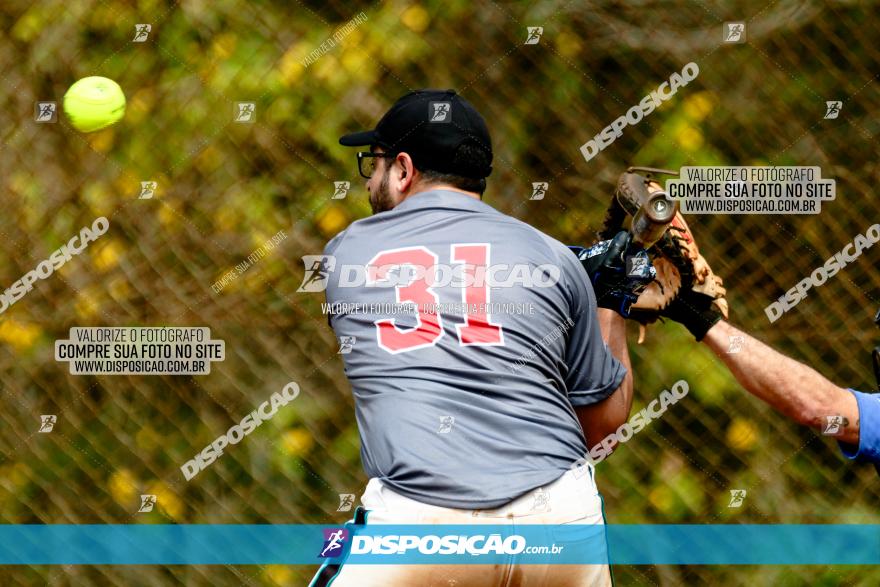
[{"x": 224, "y": 187}]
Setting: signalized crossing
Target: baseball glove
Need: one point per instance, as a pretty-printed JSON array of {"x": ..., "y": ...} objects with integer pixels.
[{"x": 685, "y": 290}]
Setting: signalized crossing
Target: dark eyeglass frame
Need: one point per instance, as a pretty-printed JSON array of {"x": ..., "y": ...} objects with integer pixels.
[{"x": 362, "y": 155}]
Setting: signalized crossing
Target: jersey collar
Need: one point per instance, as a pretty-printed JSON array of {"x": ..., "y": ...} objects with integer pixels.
[{"x": 444, "y": 199}]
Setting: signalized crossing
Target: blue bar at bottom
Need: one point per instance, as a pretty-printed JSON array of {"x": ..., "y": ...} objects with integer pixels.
[{"x": 300, "y": 544}]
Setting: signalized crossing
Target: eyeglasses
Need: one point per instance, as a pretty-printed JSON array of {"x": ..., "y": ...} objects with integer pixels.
[{"x": 367, "y": 162}]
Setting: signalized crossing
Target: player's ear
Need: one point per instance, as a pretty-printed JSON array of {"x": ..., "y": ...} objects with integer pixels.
[{"x": 406, "y": 173}]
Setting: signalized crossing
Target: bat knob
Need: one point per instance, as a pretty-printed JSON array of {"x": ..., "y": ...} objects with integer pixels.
[{"x": 660, "y": 207}]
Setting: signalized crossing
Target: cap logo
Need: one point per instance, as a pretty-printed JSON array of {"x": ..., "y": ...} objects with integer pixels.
[{"x": 440, "y": 111}]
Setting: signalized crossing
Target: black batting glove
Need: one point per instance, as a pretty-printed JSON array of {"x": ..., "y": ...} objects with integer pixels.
[{"x": 618, "y": 270}]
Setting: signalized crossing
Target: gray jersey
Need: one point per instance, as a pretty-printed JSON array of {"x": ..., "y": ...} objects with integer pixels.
[{"x": 468, "y": 402}]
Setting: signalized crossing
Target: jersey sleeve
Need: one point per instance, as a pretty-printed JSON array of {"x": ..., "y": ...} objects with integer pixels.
[
  {"x": 329, "y": 251},
  {"x": 593, "y": 372},
  {"x": 868, "y": 448},
  {"x": 333, "y": 244}
]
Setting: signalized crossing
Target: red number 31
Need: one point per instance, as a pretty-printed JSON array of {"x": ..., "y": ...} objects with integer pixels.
[{"x": 477, "y": 329}]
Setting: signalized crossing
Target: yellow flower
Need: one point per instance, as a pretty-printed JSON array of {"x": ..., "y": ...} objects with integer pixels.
[
  {"x": 97, "y": 194},
  {"x": 741, "y": 434},
  {"x": 123, "y": 488},
  {"x": 29, "y": 25},
  {"x": 690, "y": 138},
  {"x": 332, "y": 219},
  {"x": 208, "y": 160},
  {"x": 279, "y": 574},
  {"x": 290, "y": 66},
  {"x": 699, "y": 105},
  {"x": 357, "y": 63},
  {"x": 258, "y": 239},
  {"x": 415, "y": 18},
  {"x": 123, "y": 186},
  {"x": 352, "y": 39},
  {"x": 19, "y": 334},
  {"x": 107, "y": 255},
  {"x": 297, "y": 441},
  {"x": 327, "y": 67},
  {"x": 662, "y": 498},
  {"x": 147, "y": 439},
  {"x": 227, "y": 218},
  {"x": 224, "y": 45},
  {"x": 119, "y": 289},
  {"x": 168, "y": 216},
  {"x": 568, "y": 45},
  {"x": 166, "y": 499},
  {"x": 20, "y": 475}
]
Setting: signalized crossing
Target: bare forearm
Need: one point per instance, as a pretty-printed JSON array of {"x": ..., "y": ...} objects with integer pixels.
[
  {"x": 613, "y": 328},
  {"x": 792, "y": 388},
  {"x": 604, "y": 418}
]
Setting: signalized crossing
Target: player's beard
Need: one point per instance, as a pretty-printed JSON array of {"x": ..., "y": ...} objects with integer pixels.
[{"x": 380, "y": 198}]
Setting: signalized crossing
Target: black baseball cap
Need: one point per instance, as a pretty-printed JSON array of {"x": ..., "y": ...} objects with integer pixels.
[{"x": 430, "y": 125}]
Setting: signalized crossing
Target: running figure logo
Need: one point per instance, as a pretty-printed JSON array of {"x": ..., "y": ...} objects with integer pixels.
[
  {"x": 539, "y": 189},
  {"x": 832, "y": 109},
  {"x": 534, "y": 35},
  {"x": 737, "y": 496},
  {"x": 148, "y": 190},
  {"x": 341, "y": 188},
  {"x": 245, "y": 112},
  {"x": 334, "y": 541},
  {"x": 734, "y": 32},
  {"x": 440, "y": 112},
  {"x": 446, "y": 423},
  {"x": 346, "y": 500},
  {"x": 147, "y": 503},
  {"x": 832, "y": 426},
  {"x": 45, "y": 112},
  {"x": 318, "y": 268},
  {"x": 636, "y": 266},
  {"x": 346, "y": 343},
  {"x": 735, "y": 344},
  {"x": 141, "y": 32},
  {"x": 47, "y": 422},
  {"x": 541, "y": 501}
]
